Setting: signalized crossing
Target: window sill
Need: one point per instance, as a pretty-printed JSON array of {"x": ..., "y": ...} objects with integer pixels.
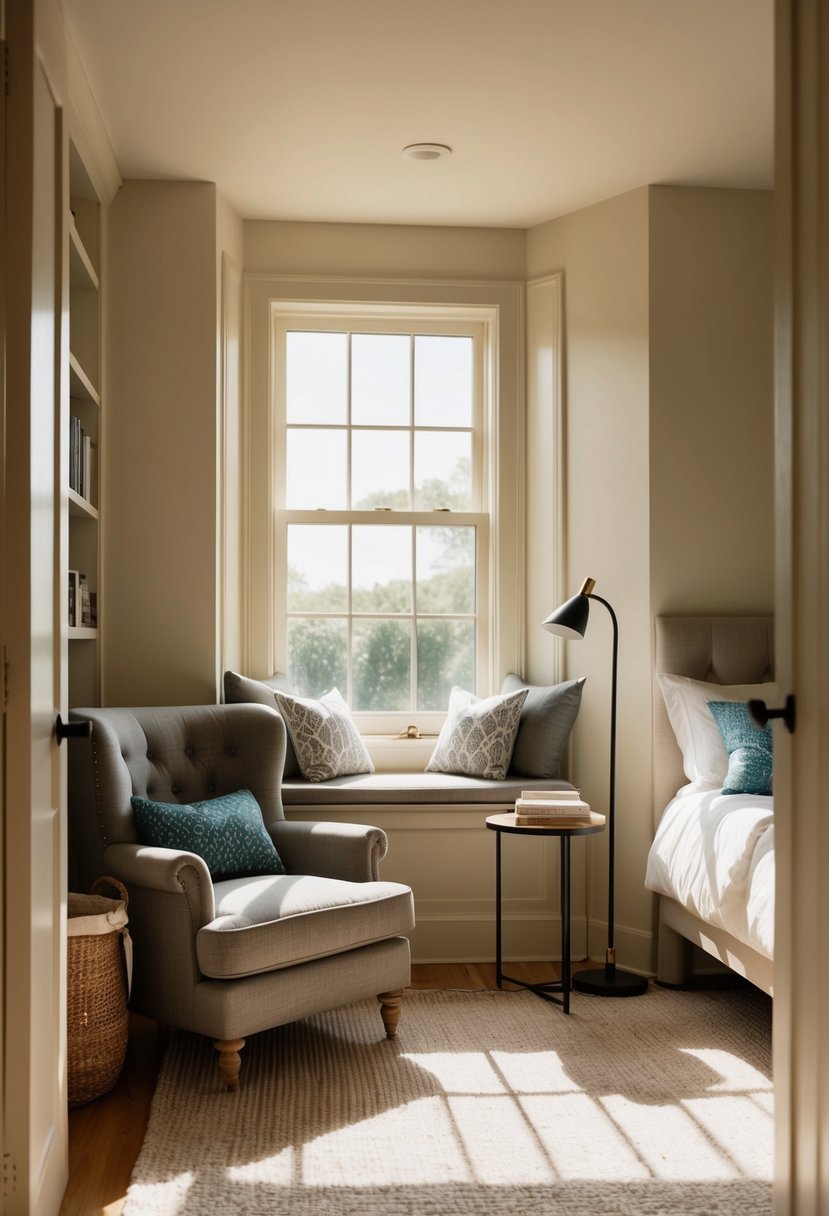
[{"x": 390, "y": 754}]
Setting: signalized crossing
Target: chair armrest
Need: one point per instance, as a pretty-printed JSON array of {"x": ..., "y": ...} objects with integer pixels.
[
  {"x": 157, "y": 869},
  {"x": 351, "y": 851}
]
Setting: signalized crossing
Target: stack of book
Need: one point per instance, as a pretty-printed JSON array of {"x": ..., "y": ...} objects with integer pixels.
[{"x": 552, "y": 809}]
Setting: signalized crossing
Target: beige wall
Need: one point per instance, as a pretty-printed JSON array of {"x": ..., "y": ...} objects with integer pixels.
[
  {"x": 383, "y": 250},
  {"x": 669, "y": 445},
  {"x": 667, "y": 428},
  {"x": 711, "y": 433},
  {"x": 159, "y": 601},
  {"x": 603, "y": 252}
]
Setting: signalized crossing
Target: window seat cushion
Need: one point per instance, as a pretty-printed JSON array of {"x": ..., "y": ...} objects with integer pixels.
[{"x": 410, "y": 789}]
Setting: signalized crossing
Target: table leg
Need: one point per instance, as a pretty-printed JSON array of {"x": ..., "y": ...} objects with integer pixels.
[
  {"x": 498, "y": 909},
  {"x": 565, "y": 922}
]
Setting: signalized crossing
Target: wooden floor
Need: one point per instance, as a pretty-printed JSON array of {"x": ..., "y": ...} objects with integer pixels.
[{"x": 105, "y": 1135}]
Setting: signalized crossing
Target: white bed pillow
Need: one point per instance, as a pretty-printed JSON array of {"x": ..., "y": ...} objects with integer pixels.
[{"x": 704, "y": 757}]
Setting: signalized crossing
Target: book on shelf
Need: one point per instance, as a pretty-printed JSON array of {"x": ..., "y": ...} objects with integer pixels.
[
  {"x": 74, "y": 598},
  {"x": 82, "y": 461},
  {"x": 86, "y": 449},
  {"x": 85, "y": 602}
]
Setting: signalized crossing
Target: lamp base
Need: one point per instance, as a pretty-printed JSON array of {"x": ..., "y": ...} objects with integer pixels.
[{"x": 610, "y": 981}]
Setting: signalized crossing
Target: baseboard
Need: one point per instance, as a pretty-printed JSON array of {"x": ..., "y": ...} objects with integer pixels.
[
  {"x": 439, "y": 939},
  {"x": 635, "y": 949}
]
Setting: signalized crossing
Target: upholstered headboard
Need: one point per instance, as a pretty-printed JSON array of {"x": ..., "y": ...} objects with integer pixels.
[{"x": 717, "y": 649}]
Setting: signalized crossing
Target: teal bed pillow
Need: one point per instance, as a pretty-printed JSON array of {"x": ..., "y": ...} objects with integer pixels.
[
  {"x": 749, "y": 748},
  {"x": 228, "y": 832}
]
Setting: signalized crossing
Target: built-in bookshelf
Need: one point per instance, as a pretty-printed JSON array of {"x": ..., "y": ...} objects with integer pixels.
[{"x": 82, "y": 472}]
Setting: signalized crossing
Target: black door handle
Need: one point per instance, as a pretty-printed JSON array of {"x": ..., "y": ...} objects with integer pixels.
[
  {"x": 762, "y": 714},
  {"x": 72, "y": 730}
]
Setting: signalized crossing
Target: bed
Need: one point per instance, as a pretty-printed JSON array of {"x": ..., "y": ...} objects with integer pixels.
[{"x": 711, "y": 862}]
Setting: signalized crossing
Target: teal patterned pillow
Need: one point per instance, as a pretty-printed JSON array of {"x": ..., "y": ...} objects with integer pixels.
[
  {"x": 748, "y": 747},
  {"x": 228, "y": 832}
]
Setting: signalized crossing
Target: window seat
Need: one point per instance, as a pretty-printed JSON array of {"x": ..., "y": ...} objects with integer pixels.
[
  {"x": 411, "y": 789},
  {"x": 438, "y": 845}
]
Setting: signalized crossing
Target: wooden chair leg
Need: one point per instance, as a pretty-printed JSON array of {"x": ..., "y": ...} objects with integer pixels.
[
  {"x": 230, "y": 1062},
  {"x": 390, "y": 1010}
]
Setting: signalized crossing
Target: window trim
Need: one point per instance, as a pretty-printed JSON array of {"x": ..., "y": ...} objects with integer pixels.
[{"x": 500, "y": 306}]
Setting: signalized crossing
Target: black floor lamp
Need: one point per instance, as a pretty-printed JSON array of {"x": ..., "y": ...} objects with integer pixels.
[{"x": 570, "y": 621}]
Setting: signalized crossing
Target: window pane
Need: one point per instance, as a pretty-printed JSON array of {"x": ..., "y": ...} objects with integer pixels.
[
  {"x": 381, "y": 569},
  {"x": 443, "y": 381},
  {"x": 316, "y": 387},
  {"x": 445, "y": 656},
  {"x": 380, "y": 470},
  {"x": 381, "y": 664},
  {"x": 445, "y": 570},
  {"x": 317, "y": 568},
  {"x": 380, "y": 379},
  {"x": 317, "y": 656},
  {"x": 443, "y": 470},
  {"x": 315, "y": 467}
]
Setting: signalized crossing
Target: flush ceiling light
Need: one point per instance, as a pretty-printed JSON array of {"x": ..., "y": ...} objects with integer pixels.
[{"x": 427, "y": 151}]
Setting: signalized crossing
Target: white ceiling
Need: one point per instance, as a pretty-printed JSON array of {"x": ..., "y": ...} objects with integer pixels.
[{"x": 299, "y": 109}]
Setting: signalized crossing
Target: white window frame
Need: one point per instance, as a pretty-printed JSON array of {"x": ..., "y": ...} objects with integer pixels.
[
  {"x": 498, "y": 307},
  {"x": 288, "y": 317}
]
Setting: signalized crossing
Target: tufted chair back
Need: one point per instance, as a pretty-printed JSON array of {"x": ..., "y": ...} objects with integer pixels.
[{"x": 169, "y": 754}]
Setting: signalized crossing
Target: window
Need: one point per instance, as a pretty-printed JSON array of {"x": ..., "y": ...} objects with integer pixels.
[{"x": 381, "y": 523}]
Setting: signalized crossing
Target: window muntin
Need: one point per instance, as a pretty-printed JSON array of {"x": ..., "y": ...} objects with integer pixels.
[{"x": 379, "y": 597}]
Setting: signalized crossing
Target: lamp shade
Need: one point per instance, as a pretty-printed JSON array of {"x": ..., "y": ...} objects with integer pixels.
[{"x": 569, "y": 620}]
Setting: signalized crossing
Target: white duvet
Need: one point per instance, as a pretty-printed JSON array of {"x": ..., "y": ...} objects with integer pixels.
[{"x": 714, "y": 854}]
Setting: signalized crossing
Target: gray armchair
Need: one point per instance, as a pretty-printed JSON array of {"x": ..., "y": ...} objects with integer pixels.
[{"x": 229, "y": 958}]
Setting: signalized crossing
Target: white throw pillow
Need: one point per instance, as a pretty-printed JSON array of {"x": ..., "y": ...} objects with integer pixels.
[
  {"x": 478, "y": 736},
  {"x": 704, "y": 757},
  {"x": 325, "y": 739}
]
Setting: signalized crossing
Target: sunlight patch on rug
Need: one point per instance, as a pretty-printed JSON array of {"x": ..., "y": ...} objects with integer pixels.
[{"x": 488, "y": 1103}]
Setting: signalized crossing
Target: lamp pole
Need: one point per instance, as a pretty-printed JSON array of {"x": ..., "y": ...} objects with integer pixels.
[
  {"x": 608, "y": 981},
  {"x": 570, "y": 621}
]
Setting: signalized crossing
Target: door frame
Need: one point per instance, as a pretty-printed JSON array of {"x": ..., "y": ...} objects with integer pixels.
[
  {"x": 801, "y": 765},
  {"x": 35, "y": 319}
]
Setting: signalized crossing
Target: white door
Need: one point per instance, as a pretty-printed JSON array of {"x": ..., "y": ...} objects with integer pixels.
[
  {"x": 801, "y": 764},
  {"x": 34, "y": 1097}
]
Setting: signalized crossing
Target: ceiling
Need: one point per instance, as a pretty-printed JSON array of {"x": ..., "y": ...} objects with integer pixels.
[{"x": 300, "y": 109}]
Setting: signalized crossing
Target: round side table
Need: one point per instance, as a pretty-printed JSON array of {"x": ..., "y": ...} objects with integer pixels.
[{"x": 505, "y": 825}]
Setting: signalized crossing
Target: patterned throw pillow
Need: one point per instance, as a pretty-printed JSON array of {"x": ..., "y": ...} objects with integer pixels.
[
  {"x": 325, "y": 739},
  {"x": 749, "y": 749},
  {"x": 478, "y": 736},
  {"x": 228, "y": 832}
]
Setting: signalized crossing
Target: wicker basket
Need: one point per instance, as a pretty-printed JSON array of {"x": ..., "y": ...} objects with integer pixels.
[{"x": 97, "y": 991}]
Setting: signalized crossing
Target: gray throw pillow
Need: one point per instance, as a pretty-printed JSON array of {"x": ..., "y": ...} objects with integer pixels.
[
  {"x": 477, "y": 737},
  {"x": 326, "y": 741},
  {"x": 547, "y": 717},
  {"x": 241, "y": 690}
]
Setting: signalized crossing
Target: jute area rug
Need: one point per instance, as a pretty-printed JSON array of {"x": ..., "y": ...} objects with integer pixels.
[{"x": 486, "y": 1103}]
